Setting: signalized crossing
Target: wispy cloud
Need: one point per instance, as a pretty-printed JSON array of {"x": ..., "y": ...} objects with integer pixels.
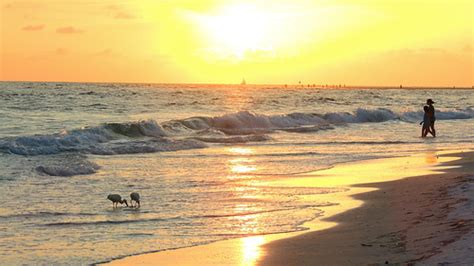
[
  {"x": 69, "y": 30},
  {"x": 33, "y": 27}
]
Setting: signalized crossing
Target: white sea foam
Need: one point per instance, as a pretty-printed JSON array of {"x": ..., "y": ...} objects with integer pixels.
[
  {"x": 149, "y": 136},
  {"x": 246, "y": 122}
]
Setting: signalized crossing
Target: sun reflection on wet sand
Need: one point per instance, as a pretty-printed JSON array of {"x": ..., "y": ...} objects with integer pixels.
[
  {"x": 431, "y": 157},
  {"x": 251, "y": 250},
  {"x": 370, "y": 171}
]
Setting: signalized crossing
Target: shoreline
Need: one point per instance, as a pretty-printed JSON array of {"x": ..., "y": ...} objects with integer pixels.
[
  {"x": 331, "y": 239},
  {"x": 405, "y": 221}
]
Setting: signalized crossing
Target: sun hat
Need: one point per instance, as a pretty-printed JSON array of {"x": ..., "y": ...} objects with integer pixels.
[{"x": 429, "y": 101}]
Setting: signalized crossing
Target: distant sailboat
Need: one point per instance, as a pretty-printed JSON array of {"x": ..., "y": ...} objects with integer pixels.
[{"x": 243, "y": 82}]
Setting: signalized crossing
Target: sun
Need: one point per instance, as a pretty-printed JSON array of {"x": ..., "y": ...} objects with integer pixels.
[{"x": 237, "y": 29}]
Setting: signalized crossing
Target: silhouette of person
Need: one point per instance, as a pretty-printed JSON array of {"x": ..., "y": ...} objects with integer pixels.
[
  {"x": 426, "y": 122},
  {"x": 431, "y": 114}
]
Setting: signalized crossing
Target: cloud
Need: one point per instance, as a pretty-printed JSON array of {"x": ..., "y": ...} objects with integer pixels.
[
  {"x": 33, "y": 27},
  {"x": 123, "y": 15},
  {"x": 69, "y": 30}
]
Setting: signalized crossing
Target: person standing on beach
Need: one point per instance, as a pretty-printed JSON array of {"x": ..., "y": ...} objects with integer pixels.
[{"x": 431, "y": 114}]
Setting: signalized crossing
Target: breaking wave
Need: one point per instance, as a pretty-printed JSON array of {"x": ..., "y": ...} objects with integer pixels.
[
  {"x": 247, "y": 123},
  {"x": 107, "y": 139},
  {"x": 194, "y": 132}
]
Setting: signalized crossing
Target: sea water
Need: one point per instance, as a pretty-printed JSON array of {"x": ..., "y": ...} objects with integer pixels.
[{"x": 191, "y": 152}]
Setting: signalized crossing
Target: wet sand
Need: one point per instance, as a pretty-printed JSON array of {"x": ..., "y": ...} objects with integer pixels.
[{"x": 398, "y": 210}]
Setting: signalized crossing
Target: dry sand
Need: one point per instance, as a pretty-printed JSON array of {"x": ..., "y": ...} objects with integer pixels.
[{"x": 424, "y": 219}]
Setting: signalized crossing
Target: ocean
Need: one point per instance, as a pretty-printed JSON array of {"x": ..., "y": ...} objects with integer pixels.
[{"x": 195, "y": 153}]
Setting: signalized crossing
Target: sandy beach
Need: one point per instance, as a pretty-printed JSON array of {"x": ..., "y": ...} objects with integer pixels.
[
  {"x": 404, "y": 221},
  {"x": 415, "y": 209}
]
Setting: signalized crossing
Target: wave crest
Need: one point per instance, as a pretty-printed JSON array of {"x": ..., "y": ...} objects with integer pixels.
[
  {"x": 191, "y": 133},
  {"x": 137, "y": 129}
]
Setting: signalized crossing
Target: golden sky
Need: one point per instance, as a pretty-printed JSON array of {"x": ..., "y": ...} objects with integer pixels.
[{"x": 363, "y": 42}]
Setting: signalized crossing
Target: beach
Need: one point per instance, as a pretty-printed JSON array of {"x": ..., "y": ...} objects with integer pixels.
[
  {"x": 211, "y": 163},
  {"x": 418, "y": 210},
  {"x": 227, "y": 132}
]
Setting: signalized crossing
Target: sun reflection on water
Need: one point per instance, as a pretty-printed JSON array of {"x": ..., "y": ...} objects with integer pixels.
[
  {"x": 241, "y": 150},
  {"x": 241, "y": 165},
  {"x": 242, "y": 169}
]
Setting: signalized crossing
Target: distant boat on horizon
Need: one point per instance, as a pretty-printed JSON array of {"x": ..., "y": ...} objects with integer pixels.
[{"x": 243, "y": 82}]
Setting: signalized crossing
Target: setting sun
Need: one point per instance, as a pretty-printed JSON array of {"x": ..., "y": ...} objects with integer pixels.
[
  {"x": 342, "y": 41},
  {"x": 235, "y": 29}
]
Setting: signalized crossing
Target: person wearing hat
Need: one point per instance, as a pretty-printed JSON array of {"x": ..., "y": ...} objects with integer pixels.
[{"x": 431, "y": 113}]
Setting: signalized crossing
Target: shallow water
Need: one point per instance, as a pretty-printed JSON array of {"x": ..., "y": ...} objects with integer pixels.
[{"x": 196, "y": 154}]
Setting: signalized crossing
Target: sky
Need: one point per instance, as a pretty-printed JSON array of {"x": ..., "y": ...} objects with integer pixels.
[{"x": 363, "y": 42}]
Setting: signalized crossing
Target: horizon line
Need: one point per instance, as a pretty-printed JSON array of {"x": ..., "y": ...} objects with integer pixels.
[{"x": 301, "y": 85}]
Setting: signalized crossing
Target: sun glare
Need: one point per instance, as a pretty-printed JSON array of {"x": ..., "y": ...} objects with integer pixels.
[
  {"x": 251, "y": 249},
  {"x": 238, "y": 29}
]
